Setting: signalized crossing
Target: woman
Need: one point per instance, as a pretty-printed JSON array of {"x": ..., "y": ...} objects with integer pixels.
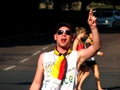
[
  {"x": 78, "y": 44},
  {"x": 90, "y": 64}
]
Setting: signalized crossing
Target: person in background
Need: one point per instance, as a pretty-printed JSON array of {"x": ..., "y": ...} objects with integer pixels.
[
  {"x": 57, "y": 69},
  {"x": 90, "y": 64},
  {"x": 78, "y": 44}
]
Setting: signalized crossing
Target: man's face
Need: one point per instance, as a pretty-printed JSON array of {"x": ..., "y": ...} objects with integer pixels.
[{"x": 63, "y": 37}]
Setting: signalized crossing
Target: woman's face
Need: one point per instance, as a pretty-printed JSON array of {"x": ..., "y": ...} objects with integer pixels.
[{"x": 83, "y": 34}]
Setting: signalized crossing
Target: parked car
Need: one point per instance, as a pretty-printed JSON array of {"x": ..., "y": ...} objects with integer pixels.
[
  {"x": 107, "y": 18},
  {"x": 117, "y": 23}
]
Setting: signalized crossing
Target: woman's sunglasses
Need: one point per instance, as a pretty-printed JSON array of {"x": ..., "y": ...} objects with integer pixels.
[{"x": 67, "y": 32}]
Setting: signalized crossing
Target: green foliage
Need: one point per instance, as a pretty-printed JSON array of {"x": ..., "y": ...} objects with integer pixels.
[{"x": 76, "y": 6}]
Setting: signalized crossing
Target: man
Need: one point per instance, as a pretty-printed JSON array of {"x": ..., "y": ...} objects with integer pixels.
[{"x": 54, "y": 71}]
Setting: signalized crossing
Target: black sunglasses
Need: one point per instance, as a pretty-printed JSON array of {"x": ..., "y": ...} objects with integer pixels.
[{"x": 67, "y": 32}]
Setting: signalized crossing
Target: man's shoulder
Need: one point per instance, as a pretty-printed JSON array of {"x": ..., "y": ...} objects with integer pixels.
[
  {"x": 74, "y": 52},
  {"x": 48, "y": 52}
]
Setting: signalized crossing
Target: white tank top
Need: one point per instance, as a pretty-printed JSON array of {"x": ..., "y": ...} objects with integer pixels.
[{"x": 70, "y": 80}]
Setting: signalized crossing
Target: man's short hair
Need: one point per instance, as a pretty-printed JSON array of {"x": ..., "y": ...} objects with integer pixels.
[{"x": 66, "y": 24}]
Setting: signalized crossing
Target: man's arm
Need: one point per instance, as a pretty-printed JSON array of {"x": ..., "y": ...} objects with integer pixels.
[
  {"x": 87, "y": 53},
  {"x": 38, "y": 78},
  {"x": 92, "y": 21}
]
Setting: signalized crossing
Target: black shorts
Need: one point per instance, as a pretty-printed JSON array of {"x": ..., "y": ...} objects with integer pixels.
[{"x": 88, "y": 63}]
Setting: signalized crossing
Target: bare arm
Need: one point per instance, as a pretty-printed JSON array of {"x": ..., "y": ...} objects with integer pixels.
[
  {"x": 75, "y": 44},
  {"x": 95, "y": 34},
  {"x": 91, "y": 50},
  {"x": 37, "y": 82},
  {"x": 100, "y": 53}
]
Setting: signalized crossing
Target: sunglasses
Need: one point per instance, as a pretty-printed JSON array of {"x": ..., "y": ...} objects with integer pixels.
[{"x": 67, "y": 32}]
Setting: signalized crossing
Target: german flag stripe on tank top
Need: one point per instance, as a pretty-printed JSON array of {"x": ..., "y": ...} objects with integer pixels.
[{"x": 59, "y": 68}]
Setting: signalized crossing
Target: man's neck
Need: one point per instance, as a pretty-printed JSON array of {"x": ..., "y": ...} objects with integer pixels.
[{"x": 62, "y": 50}]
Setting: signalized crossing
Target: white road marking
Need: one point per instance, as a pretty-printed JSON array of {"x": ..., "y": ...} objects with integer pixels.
[
  {"x": 45, "y": 48},
  {"x": 13, "y": 66},
  {"x": 24, "y": 60},
  {"x": 10, "y": 67},
  {"x": 37, "y": 52}
]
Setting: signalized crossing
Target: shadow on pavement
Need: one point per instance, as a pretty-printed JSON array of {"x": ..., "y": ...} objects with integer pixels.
[
  {"x": 112, "y": 88},
  {"x": 29, "y": 83}
]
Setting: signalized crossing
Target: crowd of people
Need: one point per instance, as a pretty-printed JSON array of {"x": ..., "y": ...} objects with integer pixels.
[{"x": 63, "y": 68}]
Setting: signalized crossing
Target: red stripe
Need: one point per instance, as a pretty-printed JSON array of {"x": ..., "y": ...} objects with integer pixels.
[{"x": 62, "y": 69}]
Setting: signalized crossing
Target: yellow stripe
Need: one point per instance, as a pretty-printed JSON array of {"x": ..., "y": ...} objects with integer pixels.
[
  {"x": 56, "y": 52},
  {"x": 56, "y": 67}
]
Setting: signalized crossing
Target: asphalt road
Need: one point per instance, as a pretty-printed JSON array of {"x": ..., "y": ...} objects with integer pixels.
[{"x": 18, "y": 63}]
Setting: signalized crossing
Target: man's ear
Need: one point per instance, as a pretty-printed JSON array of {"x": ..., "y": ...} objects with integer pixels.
[
  {"x": 73, "y": 37},
  {"x": 54, "y": 36}
]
